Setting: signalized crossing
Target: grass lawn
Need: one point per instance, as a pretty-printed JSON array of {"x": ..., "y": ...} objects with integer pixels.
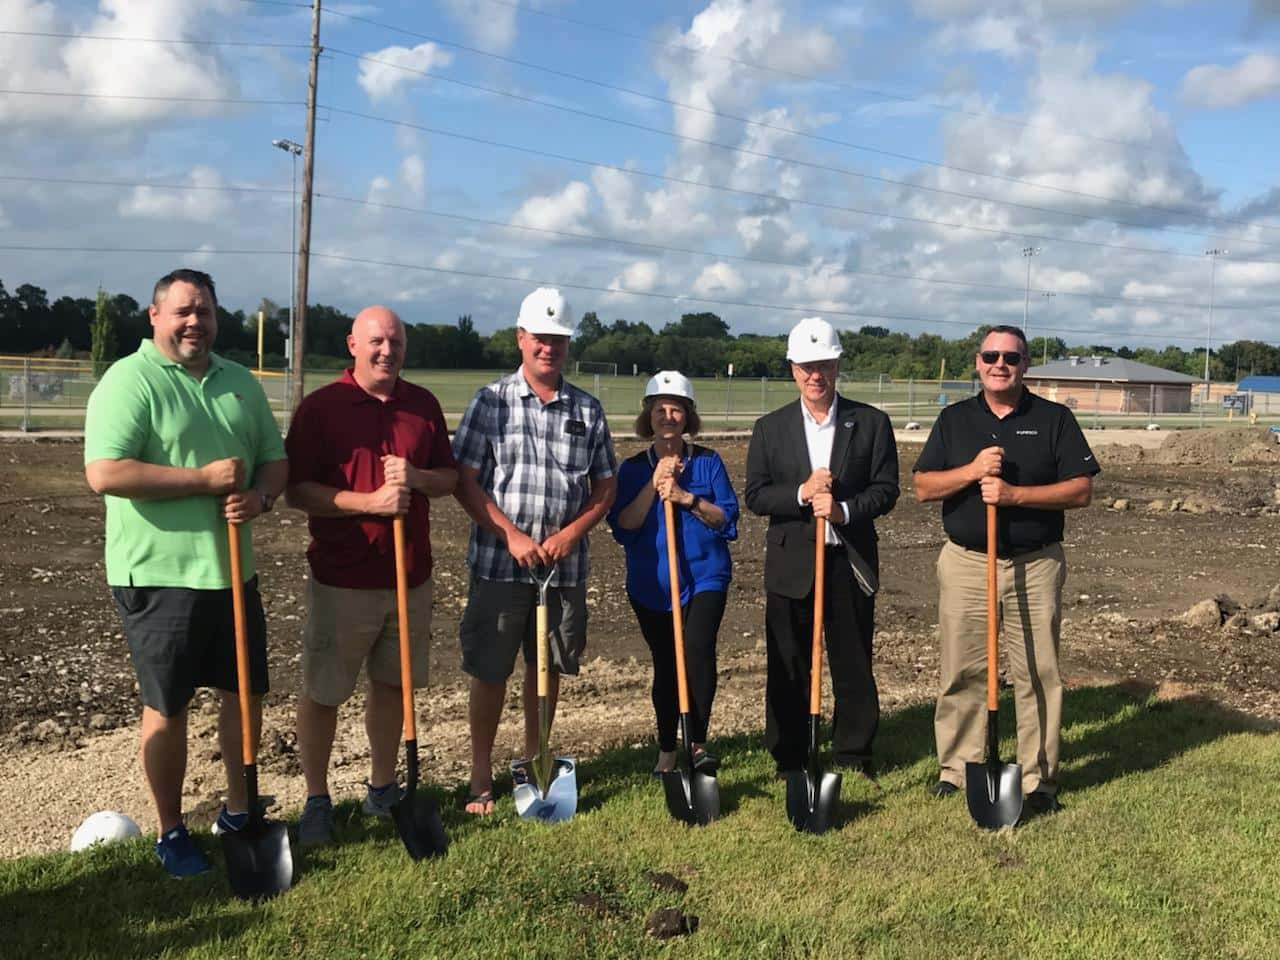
[{"x": 1166, "y": 847}]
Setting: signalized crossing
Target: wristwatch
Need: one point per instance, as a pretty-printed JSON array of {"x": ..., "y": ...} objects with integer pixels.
[
  {"x": 268, "y": 501},
  {"x": 693, "y": 504}
]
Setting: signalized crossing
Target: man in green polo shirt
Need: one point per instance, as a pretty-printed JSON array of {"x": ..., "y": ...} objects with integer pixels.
[{"x": 182, "y": 442}]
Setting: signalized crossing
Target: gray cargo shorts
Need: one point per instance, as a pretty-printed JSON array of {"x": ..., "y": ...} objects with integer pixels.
[{"x": 501, "y": 618}]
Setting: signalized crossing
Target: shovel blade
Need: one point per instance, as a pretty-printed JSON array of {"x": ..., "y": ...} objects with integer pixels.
[
  {"x": 812, "y": 799},
  {"x": 994, "y": 792},
  {"x": 259, "y": 861},
  {"x": 560, "y": 802},
  {"x": 417, "y": 818},
  {"x": 692, "y": 798}
]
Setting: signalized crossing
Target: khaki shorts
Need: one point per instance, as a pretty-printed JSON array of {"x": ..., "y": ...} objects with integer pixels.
[
  {"x": 501, "y": 618},
  {"x": 347, "y": 628}
]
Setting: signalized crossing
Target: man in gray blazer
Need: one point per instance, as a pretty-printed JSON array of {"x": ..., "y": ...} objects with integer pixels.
[{"x": 821, "y": 456}]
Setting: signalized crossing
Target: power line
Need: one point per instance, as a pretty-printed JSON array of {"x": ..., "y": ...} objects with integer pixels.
[
  {"x": 166, "y": 40},
  {"x": 809, "y": 78},
  {"x": 791, "y": 130},
  {"x": 828, "y": 168},
  {"x": 526, "y": 281},
  {"x": 242, "y": 101},
  {"x": 1206, "y": 218},
  {"x": 621, "y": 241},
  {"x": 770, "y": 197}
]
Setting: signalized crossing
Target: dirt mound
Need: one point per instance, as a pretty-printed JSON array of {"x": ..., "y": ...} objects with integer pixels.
[{"x": 1214, "y": 446}]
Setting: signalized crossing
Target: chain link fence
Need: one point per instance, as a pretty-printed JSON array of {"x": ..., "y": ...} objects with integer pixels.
[{"x": 49, "y": 394}]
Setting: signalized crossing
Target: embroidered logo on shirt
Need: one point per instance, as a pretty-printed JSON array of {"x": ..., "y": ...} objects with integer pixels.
[
  {"x": 1027, "y": 433},
  {"x": 575, "y": 428}
]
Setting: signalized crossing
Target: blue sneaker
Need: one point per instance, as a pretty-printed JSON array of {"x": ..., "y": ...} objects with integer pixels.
[
  {"x": 229, "y": 822},
  {"x": 178, "y": 854}
]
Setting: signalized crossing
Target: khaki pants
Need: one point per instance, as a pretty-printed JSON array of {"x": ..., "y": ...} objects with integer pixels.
[{"x": 1029, "y": 594}]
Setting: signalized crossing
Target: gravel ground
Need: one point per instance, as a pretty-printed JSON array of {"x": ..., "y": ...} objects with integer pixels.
[{"x": 1191, "y": 520}]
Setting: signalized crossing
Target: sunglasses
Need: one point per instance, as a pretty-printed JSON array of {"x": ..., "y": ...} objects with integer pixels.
[{"x": 1011, "y": 357}]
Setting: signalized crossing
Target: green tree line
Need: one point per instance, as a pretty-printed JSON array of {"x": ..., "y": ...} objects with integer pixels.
[{"x": 700, "y": 344}]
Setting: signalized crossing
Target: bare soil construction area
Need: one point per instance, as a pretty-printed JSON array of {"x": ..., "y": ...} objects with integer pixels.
[{"x": 1193, "y": 519}]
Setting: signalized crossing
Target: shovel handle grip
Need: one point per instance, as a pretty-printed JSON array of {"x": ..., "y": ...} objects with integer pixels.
[
  {"x": 544, "y": 653},
  {"x": 402, "y": 617},
  {"x": 677, "y": 616},
  {"x": 819, "y": 610},
  {"x": 242, "y": 643},
  {"x": 993, "y": 613}
]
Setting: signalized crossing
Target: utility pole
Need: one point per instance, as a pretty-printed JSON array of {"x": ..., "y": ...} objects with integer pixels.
[
  {"x": 1213, "y": 256},
  {"x": 1027, "y": 253},
  {"x": 304, "y": 232}
]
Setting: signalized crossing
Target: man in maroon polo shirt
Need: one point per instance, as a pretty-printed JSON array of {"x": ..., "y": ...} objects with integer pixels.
[{"x": 362, "y": 450}]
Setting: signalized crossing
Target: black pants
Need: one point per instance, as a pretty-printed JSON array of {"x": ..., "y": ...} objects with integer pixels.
[
  {"x": 849, "y": 621},
  {"x": 702, "y": 615}
]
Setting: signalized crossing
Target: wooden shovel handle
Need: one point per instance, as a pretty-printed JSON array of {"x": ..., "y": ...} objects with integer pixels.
[
  {"x": 402, "y": 615},
  {"x": 819, "y": 609},
  {"x": 242, "y": 642},
  {"x": 993, "y": 613},
  {"x": 677, "y": 619}
]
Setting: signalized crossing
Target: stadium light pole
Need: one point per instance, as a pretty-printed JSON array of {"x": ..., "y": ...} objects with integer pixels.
[
  {"x": 1213, "y": 255},
  {"x": 294, "y": 150},
  {"x": 1046, "y": 294},
  {"x": 1027, "y": 253}
]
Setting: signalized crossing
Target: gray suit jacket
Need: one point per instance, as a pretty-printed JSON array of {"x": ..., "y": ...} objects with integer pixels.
[{"x": 864, "y": 468}]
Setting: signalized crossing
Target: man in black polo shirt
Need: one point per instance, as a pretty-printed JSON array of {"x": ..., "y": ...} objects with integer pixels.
[{"x": 1008, "y": 447}]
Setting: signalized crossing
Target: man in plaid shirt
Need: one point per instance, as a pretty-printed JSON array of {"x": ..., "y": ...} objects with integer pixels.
[{"x": 536, "y": 472}]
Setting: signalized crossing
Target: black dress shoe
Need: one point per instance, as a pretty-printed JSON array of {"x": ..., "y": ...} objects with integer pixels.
[
  {"x": 942, "y": 789},
  {"x": 1042, "y": 802}
]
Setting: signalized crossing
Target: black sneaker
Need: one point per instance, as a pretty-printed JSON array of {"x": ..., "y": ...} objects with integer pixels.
[
  {"x": 943, "y": 789},
  {"x": 1041, "y": 802}
]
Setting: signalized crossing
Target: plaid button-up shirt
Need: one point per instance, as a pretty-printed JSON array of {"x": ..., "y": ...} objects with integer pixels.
[{"x": 537, "y": 461}]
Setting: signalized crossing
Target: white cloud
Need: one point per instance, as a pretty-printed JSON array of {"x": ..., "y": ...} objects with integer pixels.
[
  {"x": 381, "y": 190},
  {"x": 560, "y": 211},
  {"x": 413, "y": 174},
  {"x": 1011, "y": 37},
  {"x": 1212, "y": 86},
  {"x": 727, "y": 30},
  {"x": 86, "y": 66},
  {"x": 490, "y": 23},
  {"x": 204, "y": 204},
  {"x": 718, "y": 280},
  {"x": 393, "y": 68},
  {"x": 639, "y": 277},
  {"x": 771, "y": 237}
]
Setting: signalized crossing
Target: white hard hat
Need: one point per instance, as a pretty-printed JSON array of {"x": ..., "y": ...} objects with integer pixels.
[
  {"x": 669, "y": 383},
  {"x": 105, "y": 826},
  {"x": 813, "y": 339},
  {"x": 546, "y": 311}
]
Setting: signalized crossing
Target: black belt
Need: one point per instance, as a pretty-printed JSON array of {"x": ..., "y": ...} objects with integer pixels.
[{"x": 1004, "y": 554}]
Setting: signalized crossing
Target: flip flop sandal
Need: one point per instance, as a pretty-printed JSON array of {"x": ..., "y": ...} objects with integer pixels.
[{"x": 482, "y": 799}]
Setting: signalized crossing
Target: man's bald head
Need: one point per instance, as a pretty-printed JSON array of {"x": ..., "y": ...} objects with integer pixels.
[{"x": 377, "y": 344}]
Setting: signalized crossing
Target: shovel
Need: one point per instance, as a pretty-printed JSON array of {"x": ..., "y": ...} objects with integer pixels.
[
  {"x": 417, "y": 816},
  {"x": 693, "y": 797},
  {"x": 994, "y": 789},
  {"x": 811, "y": 794},
  {"x": 546, "y": 786},
  {"x": 259, "y": 861}
]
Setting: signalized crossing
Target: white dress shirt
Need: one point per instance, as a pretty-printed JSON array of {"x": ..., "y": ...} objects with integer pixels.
[{"x": 819, "y": 436}]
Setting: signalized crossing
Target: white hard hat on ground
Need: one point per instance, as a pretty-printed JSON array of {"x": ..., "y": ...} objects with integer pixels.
[
  {"x": 813, "y": 339},
  {"x": 105, "y": 826},
  {"x": 546, "y": 311},
  {"x": 669, "y": 383}
]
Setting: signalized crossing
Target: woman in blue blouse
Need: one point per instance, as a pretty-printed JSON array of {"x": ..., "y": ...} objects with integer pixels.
[{"x": 694, "y": 479}]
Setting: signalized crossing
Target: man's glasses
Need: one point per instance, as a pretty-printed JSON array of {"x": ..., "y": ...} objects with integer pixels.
[{"x": 1011, "y": 357}]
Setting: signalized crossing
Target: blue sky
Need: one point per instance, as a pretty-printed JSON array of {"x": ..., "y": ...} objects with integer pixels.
[{"x": 878, "y": 163}]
